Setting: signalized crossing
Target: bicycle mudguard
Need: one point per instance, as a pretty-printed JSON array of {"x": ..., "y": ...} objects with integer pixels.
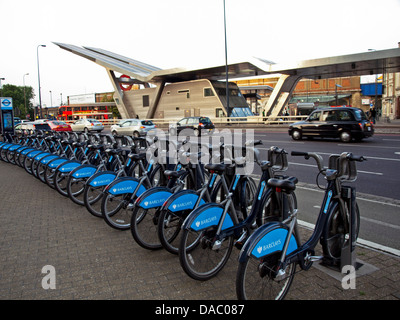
[
  {"x": 101, "y": 179},
  {"x": 41, "y": 156},
  {"x": 48, "y": 158},
  {"x": 33, "y": 153},
  {"x": 154, "y": 197},
  {"x": 26, "y": 151},
  {"x": 182, "y": 200},
  {"x": 206, "y": 216},
  {"x": 68, "y": 166},
  {"x": 6, "y": 146},
  {"x": 125, "y": 185},
  {"x": 20, "y": 148},
  {"x": 53, "y": 164},
  {"x": 14, "y": 147},
  {"x": 83, "y": 171},
  {"x": 267, "y": 239}
]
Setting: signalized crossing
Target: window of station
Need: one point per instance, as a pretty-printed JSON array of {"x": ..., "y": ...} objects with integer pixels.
[
  {"x": 208, "y": 92},
  {"x": 146, "y": 101}
]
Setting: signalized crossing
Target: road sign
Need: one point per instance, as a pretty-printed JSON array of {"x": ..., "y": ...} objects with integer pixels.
[{"x": 6, "y": 103}]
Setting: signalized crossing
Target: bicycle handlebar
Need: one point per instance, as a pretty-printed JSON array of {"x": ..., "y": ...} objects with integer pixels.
[
  {"x": 342, "y": 158},
  {"x": 308, "y": 155}
]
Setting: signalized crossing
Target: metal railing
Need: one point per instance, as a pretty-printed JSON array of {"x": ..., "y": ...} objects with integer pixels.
[{"x": 253, "y": 120}]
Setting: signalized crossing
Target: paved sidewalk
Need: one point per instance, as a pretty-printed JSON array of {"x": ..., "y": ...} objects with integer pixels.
[{"x": 39, "y": 227}]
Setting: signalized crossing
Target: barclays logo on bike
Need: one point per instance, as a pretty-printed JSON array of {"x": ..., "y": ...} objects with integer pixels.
[
  {"x": 122, "y": 189},
  {"x": 83, "y": 174},
  {"x": 185, "y": 205},
  {"x": 67, "y": 169},
  {"x": 101, "y": 182},
  {"x": 266, "y": 247},
  {"x": 153, "y": 202},
  {"x": 204, "y": 222}
]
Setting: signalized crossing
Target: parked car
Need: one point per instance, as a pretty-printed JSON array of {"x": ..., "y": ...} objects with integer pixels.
[
  {"x": 199, "y": 125},
  {"x": 44, "y": 126},
  {"x": 57, "y": 125},
  {"x": 346, "y": 123},
  {"x": 31, "y": 126},
  {"x": 87, "y": 125},
  {"x": 133, "y": 127}
]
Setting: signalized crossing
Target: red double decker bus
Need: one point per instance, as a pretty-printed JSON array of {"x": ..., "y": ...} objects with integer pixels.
[{"x": 98, "y": 110}]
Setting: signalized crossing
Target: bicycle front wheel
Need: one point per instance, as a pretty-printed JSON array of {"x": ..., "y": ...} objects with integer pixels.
[
  {"x": 200, "y": 256},
  {"x": 336, "y": 233},
  {"x": 257, "y": 278}
]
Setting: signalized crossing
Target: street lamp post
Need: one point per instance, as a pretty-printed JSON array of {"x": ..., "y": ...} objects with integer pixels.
[
  {"x": 0, "y": 84},
  {"x": 26, "y": 74},
  {"x": 40, "y": 98},
  {"x": 226, "y": 65}
]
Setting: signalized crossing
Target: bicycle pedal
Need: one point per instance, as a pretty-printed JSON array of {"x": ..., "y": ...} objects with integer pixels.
[
  {"x": 239, "y": 245},
  {"x": 315, "y": 258},
  {"x": 240, "y": 242}
]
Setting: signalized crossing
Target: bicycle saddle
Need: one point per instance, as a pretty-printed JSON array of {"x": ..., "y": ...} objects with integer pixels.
[
  {"x": 95, "y": 146},
  {"x": 287, "y": 185},
  {"x": 137, "y": 156},
  {"x": 113, "y": 151},
  {"x": 174, "y": 174},
  {"x": 217, "y": 167},
  {"x": 78, "y": 144}
]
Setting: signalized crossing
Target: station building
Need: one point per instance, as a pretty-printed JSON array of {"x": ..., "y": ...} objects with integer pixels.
[{"x": 148, "y": 92}]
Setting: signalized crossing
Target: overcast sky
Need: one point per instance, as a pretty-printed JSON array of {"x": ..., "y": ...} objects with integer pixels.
[{"x": 180, "y": 33}]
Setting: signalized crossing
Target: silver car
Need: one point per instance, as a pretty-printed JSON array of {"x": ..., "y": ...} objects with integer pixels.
[
  {"x": 132, "y": 127},
  {"x": 87, "y": 125}
]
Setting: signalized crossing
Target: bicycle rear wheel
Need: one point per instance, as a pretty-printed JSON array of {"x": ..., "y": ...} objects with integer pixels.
[
  {"x": 117, "y": 210},
  {"x": 169, "y": 227},
  {"x": 144, "y": 224},
  {"x": 76, "y": 188},
  {"x": 257, "y": 279},
  {"x": 200, "y": 257},
  {"x": 92, "y": 199},
  {"x": 271, "y": 210},
  {"x": 60, "y": 181}
]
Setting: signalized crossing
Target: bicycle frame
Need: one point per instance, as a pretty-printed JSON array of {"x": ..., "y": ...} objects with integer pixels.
[
  {"x": 335, "y": 196},
  {"x": 218, "y": 220}
]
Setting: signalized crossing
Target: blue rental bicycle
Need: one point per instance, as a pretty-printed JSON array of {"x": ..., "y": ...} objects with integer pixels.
[
  {"x": 267, "y": 262},
  {"x": 210, "y": 231}
]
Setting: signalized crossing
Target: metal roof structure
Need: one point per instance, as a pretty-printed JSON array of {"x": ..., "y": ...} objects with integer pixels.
[
  {"x": 367, "y": 63},
  {"x": 371, "y": 62}
]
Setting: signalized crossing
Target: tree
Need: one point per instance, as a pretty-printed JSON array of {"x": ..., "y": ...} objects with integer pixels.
[
  {"x": 17, "y": 94},
  {"x": 109, "y": 97}
]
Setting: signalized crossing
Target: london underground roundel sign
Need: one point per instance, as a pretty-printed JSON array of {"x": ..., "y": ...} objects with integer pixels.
[
  {"x": 6, "y": 103},
  {"x": 125, "y": 86}
]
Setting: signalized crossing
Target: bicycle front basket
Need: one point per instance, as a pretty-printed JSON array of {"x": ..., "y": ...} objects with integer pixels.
[
  {"x": 278, "y": 160},
  {"x": 348, "y": 170}
]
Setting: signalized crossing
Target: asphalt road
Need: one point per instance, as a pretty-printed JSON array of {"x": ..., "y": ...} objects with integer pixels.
[{"x": 378, "y": 176}]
